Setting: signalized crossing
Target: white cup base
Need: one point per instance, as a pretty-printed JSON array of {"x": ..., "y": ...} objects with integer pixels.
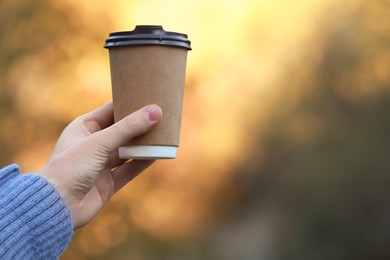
[{"x": 145, "y": 152}]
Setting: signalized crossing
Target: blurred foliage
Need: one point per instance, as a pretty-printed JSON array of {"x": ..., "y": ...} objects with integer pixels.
[
  {"x": 24, "y": 31},
  {"x": 326, "y": 149},
  {"x": 285, "y": 129},
  {"x": 37, "y": 60}
]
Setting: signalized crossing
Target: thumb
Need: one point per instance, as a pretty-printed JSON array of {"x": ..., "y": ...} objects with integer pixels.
[{"x": 135, "y": 124}]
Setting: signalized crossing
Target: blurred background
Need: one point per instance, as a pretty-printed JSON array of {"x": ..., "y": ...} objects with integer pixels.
[{"x": 285, "y": 133}]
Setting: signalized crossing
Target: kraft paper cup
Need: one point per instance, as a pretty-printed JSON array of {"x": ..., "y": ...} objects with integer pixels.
[{"x": 148, "y": 66}]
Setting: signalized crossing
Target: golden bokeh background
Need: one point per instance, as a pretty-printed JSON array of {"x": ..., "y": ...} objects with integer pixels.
[{"x": 285, "y": 126}]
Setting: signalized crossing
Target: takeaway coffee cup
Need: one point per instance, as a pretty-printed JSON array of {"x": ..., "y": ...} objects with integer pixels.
[{"x": 148, "y": 66}]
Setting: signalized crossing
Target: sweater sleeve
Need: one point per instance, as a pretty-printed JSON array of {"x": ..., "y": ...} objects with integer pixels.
[{"x": 35, "y": 222}]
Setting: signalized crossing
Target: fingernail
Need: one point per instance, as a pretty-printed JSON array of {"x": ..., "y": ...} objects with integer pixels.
[{"x": 153, "y": 113}]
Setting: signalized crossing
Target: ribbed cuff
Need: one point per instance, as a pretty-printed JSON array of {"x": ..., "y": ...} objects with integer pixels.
[{"x": 35, "y": 222}]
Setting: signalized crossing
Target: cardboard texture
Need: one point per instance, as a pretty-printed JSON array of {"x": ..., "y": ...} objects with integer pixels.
[{"x": 150, "y": 74}]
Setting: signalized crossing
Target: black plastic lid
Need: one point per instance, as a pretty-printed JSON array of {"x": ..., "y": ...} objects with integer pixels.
[{"x": 148, "y": 35}]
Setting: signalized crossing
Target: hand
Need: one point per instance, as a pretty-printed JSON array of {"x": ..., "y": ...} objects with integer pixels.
[{"x": 85, "y": 166}]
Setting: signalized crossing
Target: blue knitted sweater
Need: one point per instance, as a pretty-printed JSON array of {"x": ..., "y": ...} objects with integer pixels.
[{"x": 35, "y": 223}]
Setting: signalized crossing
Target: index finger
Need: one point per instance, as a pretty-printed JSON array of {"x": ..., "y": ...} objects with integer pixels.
[{"x": 99, "y": 118}]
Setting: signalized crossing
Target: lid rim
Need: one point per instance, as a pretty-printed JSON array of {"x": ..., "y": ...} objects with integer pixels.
[
  {"x": 146, "y": 38},
  {"x": 143, "y": 43}
]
